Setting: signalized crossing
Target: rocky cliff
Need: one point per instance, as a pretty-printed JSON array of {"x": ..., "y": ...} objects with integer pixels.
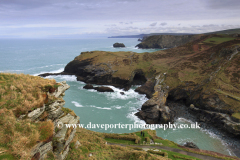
[
  {"x": 203, "y": 72},
  {"x": 166, "y": 41},
  {"x": 32, "y": 122},
  {"x": 62, "y": 136}
]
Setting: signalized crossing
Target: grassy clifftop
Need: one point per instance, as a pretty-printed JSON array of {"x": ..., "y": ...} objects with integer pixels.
[
  {"x": 22, "y": 94},
  {"x": 211, "y": 62}
]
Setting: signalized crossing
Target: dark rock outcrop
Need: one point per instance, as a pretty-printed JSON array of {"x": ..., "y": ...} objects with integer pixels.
[
  {"x": 155, "y": 111},
  {"x": 219, "y": 120},
  {"x": 103, "y": 89},
  {"x": 99, "y": 89},
  {"x": 147, "y": 88},
  {"x": 165, "y": 41},
  {"x": 88, "y": 86},
  {"x": 116, "y": 45},
  {"x": 190, "y": 145}
]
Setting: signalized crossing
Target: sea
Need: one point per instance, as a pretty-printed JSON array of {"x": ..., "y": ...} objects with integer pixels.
[{"x": 36, "y": 56}]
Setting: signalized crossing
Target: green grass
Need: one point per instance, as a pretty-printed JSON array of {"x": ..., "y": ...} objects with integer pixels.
[
  {"x": 236, "y": 115},
  {"x": 7, "y": 157},
  {"x": 170, "y": 155},
  {"x": 119, "y": 141},
  {"x": 218, "y": 40},
  {"x": 167, "y": 143},
  {"x": 145, "y": 135}
]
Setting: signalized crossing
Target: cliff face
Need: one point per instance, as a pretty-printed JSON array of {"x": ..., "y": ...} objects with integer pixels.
[
  {"x": 62, "y": 136},
  {"x": 204, "y": 72},
  {"x": 166, "y": 41},
  {"x": 32, "y": 118}
]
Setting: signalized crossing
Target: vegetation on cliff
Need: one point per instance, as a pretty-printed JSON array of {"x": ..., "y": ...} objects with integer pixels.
[
  {"x": 21, "y": 94},
  {"x": 209, "y": 65},
  {"x": 204, "y": 72},
  {"x": 25, "y": 137}
]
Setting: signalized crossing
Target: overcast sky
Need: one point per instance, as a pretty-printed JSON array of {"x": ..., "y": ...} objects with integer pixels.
[{"x": 102, "y": 18}]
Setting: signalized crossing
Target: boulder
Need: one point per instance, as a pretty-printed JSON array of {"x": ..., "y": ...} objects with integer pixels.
[
  {"x": 103, "y": 89},
  {"x": 190, "y": 145},
  {"x": 122, "y": 93},
  {"x": 116, "y": 45},
  {"x": 88, "y": 86},
  {"x": 147, "y": 88}
]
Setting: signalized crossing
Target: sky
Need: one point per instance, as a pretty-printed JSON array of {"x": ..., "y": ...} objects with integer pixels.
[{"x": 103, "y": 18}]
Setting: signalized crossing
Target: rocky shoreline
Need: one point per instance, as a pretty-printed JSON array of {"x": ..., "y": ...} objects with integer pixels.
[{"x": 200, "y": 90}]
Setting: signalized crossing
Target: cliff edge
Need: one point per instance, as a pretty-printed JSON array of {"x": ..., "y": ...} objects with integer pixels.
[{"x": 165, "y": 41}]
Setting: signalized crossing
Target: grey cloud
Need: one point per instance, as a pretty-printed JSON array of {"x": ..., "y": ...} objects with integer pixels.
[
  {"x": 153, "y": 24},
  {"x": 223, "y": 4},
  {"x": 94, "y": 14},
  {"x": 163, "y": 24},
  {"x": 190, "y": 29}
]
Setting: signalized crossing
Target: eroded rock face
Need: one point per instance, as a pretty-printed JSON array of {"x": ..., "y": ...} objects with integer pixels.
[
  {"x": 116, "y": 45},
  {"x": 165, "y": 41},
  {"x": 59, "y": 143},
  {"x": 155, "y": 111},
  {"x": 100, "y": 74},
  {"x": 88, "y": 86},
  {"x": 220, "y": 120},
  {"x": 147, "y": 88},
  {"x": 104, "y": 89},
  {"x": 99, "y": 89}
]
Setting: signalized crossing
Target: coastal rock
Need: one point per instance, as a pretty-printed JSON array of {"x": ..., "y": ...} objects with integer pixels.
[
  {"x": 40, "y": 150},
  {"x": 150, "y": 116},
  {"x": 100, "y": 73},
  {"x": 36, "y": 113},
  {"x": 61, "y": 89},
  {"x": 147, "y": 88},
  {"x": 116, "y": 45},
  {"x": 149, "y": 104},
  {"x": 156, "y": 115},
  {"x": 165, "y": 41},
  {"x": 99, "y": 89},
  {"x": 190, "y": 145},
  {"x": 104, "y": 89},
  {"x": 88, "y": 86},
  {"x": 55, "y": 109},
  {"x": 154, "y": 111},
  {"x": 220, "y": 120}
]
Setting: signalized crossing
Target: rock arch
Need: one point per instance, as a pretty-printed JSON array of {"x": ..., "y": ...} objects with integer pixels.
[{"x": 138, "y": 77}]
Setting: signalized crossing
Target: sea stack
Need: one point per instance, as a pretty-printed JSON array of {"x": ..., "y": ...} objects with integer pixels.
[{"x": 116, "y": 45}]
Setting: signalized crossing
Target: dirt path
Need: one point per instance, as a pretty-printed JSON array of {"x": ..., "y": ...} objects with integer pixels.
[{"x": 170, "y": 149}]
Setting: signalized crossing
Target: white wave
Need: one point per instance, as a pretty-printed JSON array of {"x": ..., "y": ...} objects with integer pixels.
[
  {"x": 77, "y": 104},
  {"x": 214, "y": 136},
  {"x": 90, "y": 90},
  {"x": 54, "y": 71},
  {"x": 69, "y": 78},
  {"x": 183, "y": 120},
  {"x": 130, "y": 94},
  {"x": 102, "y": 108},
  {"x": 117, "y": 107}
]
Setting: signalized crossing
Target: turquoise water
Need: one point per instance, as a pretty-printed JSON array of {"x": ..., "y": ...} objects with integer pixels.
[{"x": 41, "y": 56}]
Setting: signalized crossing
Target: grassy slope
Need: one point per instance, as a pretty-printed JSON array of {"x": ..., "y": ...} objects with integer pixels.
[
  {"x": 95, "y": 143},
  {"x": 20, "y": 94},
  {"x": 195, "y": 61}
]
